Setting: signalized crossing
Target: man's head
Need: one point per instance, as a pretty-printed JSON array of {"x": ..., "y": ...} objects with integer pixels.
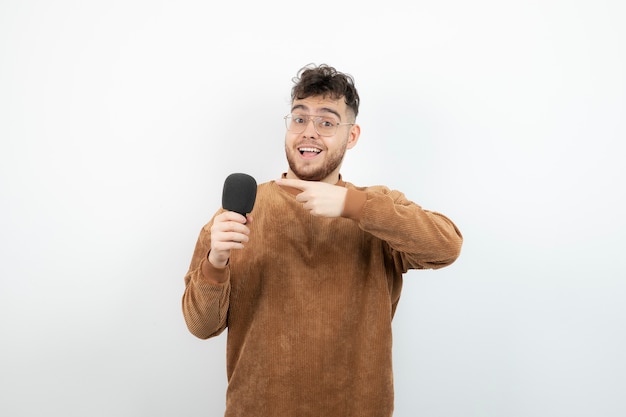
[{"x": 321, "y": 125}]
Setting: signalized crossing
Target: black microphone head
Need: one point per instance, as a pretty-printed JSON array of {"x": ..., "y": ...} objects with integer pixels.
[{"x": 239, "y": 193}]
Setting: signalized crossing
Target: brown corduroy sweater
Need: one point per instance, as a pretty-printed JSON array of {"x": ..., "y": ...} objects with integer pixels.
[{"x": 309, "y": 302}]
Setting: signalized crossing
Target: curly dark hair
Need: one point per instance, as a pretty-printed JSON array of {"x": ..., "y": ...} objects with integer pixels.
[{"x": 324, "y": 80}]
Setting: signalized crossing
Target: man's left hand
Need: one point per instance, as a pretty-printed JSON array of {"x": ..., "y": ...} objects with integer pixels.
[{"x": 320, "y": 198}]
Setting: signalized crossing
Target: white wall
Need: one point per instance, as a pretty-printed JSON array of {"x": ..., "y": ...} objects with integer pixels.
[{"x": 119, "y": 121}]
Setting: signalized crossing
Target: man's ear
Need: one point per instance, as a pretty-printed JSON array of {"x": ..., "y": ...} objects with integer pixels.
[{"x": 353, "y": 136}]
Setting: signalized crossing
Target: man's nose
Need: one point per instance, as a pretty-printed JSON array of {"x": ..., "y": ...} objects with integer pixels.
[{"x": 310, "y": 129}]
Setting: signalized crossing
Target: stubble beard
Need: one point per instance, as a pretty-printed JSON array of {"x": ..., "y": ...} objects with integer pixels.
[{"x": 309, "y": 173}]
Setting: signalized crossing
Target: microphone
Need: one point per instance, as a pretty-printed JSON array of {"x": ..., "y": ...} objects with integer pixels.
[{"x": 239, "y": 193}]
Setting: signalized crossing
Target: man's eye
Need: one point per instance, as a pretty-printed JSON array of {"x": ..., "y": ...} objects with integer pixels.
[
  {"x": 328, "y": 122},
  {"x": 298, "y": 119}
]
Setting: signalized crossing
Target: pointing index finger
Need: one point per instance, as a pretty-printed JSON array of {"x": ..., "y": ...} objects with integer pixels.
[{"x": 293, "y": 183}]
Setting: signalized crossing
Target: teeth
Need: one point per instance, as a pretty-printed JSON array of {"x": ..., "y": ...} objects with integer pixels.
[{"x": 309, "y": 150}]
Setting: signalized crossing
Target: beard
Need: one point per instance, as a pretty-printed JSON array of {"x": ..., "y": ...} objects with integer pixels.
[{"x": 306, "y": 171}]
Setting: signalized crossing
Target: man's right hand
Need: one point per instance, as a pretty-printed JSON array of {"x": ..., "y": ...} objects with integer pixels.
[{"x": 228, "y": 232}]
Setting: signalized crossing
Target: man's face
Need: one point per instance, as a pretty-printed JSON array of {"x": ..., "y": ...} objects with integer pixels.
[{"x": 314, "y": 157}]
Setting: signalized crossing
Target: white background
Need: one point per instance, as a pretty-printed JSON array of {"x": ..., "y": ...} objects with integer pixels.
[{"x": 119, "y": 121}]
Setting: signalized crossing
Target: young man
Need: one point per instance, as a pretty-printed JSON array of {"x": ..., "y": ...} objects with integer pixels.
[{"x": 308, "y": 283}]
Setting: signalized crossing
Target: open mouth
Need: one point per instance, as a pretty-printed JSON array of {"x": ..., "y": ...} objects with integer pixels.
[{"x": 309, "y": 151}]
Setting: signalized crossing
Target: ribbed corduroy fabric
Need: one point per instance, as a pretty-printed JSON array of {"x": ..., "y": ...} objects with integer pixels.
[{"x": 308, "y": 303}]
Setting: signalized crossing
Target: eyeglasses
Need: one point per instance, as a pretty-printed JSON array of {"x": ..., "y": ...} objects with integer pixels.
[{"x": 323, "y": 125}]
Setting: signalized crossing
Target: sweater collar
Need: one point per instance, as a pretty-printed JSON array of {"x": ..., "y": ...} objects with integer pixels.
[{"x": 296, "y": 191}]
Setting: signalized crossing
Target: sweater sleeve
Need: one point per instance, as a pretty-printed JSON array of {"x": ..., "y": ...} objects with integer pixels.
[
  {"x": 205, "y": 301},
  {"x": 417, "y": 238}
]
